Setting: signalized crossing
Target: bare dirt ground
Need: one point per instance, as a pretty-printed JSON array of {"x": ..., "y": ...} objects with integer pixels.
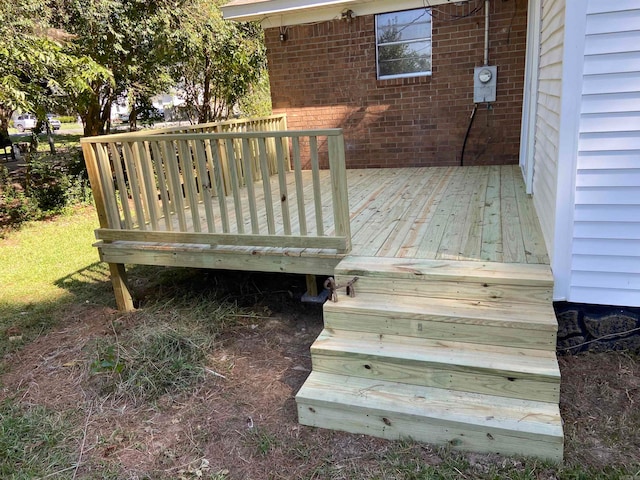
[{"x": 240, "y": 422}]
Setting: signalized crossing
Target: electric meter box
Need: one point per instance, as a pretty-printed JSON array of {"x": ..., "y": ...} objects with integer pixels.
[{"x": 484, "y": 84}]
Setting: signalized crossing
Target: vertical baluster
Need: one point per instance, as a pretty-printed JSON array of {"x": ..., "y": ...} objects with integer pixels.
[
  {"x": 122, "y": 185},
  {"x": 137, "y": 162},
  {"x": 148, "y": 180},
  {"x": 266, "y": 185},
  {"x": 282, "y": 181},
  {"x": 106, "y": 179},
  {"x": 204, "y": 183},
  {"x": 339, "y": 189},
  {"x": 162, "y": 183},
  {"x": 175, "y": 186},
  {"x": 235, "y": 186},
  {"x": 315, "y": 174},
  {"x": 216, "y": 168},
  {"x": 297, "y": 167},
  {"x": 248, "y": 170},
  {"x": 134, "y": 184},
  {"x": 189, "y": 182}
]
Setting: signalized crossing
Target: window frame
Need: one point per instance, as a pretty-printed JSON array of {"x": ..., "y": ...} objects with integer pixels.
[{"x": 422, "y": 39}]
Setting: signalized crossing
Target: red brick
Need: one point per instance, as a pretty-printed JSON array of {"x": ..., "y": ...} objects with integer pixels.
[{"x": 324, "y": 75}]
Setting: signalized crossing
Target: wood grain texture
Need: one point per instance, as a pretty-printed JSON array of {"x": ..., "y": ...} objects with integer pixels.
[
  {"x": 464, "y": 421},
  {"x": 488, "y": 323},
  {"x": 492, "y": 370}
]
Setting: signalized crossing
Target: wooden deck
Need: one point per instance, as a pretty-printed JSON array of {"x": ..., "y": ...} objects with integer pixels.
[
  {"x": 452, "y": 213},
  {"x": 452, "y": 336},
  {"x": 448, "y": 213}
]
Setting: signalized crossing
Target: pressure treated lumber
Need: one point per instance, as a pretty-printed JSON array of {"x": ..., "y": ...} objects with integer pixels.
[
  {"x": 224, "y": 258},
  {"x": 493, "y": 370},
  {"x": 471, "y": 281},
  {"x": 490, "y": 323},
  {"x": 465, "y": 421}
]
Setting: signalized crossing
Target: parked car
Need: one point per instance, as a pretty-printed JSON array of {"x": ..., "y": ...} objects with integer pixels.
[
  {"x": 54, "y": 122},
  {"x": 26, "y": 121}
]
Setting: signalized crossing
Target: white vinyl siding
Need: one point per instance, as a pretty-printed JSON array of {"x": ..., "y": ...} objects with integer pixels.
[
  {"x": 548, "y": 117},
  {"x": 606, "y": 246}
]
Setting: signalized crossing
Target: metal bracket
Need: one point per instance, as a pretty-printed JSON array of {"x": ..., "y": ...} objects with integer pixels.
[{"x": 330, "y": 284}]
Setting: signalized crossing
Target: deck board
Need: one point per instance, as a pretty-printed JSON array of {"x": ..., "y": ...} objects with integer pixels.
[{"x": 455, "y": 213}]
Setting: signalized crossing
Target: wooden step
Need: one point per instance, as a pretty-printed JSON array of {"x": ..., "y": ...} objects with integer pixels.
[
  {"x": 466, "y": 421},
  {"x": 502, "y": 371},
  {"x": 457, "y": 280},
  {"x": 490, "y": 323}
]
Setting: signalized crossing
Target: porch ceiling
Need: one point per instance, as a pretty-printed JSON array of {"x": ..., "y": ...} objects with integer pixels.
[{"x": 280, "y": 13}]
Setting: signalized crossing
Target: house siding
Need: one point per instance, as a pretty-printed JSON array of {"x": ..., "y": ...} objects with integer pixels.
[
  {"x": 606, "y": 246},
  {"x": 547, "y": 136},
  {"x": 324, "y": 75}
]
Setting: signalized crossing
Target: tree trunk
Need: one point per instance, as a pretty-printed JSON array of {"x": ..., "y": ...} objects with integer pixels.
[
  {"x": 133, "y": 117},
  {"x": 92, "y": 119},
  {"x": 205, "y": 111},
  {"x": 52, "y": 146},
  {"x": 97, "y": 113},
  {"x": 5, "y": 116}
]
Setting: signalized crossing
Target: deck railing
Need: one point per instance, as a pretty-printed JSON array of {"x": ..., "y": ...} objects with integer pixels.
[{"x": 240, "y": 188}]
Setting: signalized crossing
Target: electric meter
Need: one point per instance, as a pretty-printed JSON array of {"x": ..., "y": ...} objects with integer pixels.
[{"x": 484, "y": 84}]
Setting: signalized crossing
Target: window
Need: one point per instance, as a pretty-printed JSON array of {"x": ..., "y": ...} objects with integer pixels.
[{"x": 403, "y": 43}]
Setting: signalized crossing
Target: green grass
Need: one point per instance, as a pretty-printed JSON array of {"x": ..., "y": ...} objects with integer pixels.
[
  {"x": 61, "y": 139},
  {"x": 34, "y": 443},
  {"x": 46, "y": 265}
]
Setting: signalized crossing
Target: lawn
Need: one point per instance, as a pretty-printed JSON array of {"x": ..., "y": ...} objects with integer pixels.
[{"x": 199, "y": 381}]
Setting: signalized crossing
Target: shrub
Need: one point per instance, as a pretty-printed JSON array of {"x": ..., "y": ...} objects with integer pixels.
[
  {"x": 47, "y": 186},
  {"x": 15, "y": 206},
  {"x": 67, "y": 119}
]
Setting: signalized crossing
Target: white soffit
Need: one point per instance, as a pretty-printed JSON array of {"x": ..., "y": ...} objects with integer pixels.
[{"x": 281, "y": 13}]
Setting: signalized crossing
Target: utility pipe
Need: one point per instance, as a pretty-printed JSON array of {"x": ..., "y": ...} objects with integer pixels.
[{"x": 486, "y": 32}]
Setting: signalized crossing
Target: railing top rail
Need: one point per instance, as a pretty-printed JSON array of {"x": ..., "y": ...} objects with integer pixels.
[
  {"x": 235, "y": 121},
  {"x": 329, "y": 132}
]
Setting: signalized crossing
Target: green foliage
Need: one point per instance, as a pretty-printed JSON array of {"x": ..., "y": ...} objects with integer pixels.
[
  {"x": 38, "y": 73},
  {"x": 48, "y": 186},
  {"x": 216, "y": 61},
  {"x": 257, "y": 103},
  {"x": 15, "y": 206},
  {"x": 57, "y": 182},
  {"x": 67, "y": 119},
  {"x": 127, "y": 37}
]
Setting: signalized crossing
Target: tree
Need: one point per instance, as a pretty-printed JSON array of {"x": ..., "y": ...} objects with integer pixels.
[
  {"x": 37, "y": 72},
  {"x": 130, "y": 39},
  {"x": 216, "y": 62}
]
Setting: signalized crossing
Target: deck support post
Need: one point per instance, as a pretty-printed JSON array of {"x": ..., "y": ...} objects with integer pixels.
[
  {"x": 124, "y": 300},
  {"x": 312, "y": 285}
]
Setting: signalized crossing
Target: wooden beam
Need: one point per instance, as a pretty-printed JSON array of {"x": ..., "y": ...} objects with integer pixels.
[
  {"x": 291, "y": 241},
  {"x": 312, "y": 285},
  {"x": 121, "y": 290}
]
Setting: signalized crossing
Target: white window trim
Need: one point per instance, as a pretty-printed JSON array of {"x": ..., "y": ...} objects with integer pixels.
[{"x": 404, "y": 75}]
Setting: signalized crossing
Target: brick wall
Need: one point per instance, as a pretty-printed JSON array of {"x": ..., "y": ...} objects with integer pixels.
[{"x": 324, "y": 75}]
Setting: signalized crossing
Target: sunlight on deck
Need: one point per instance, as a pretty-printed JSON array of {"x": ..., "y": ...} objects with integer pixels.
[{"x": 453, "y": 213}]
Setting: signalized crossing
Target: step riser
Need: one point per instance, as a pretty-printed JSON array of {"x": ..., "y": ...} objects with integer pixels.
[
  {"x": 456, "y": 290},
  {"x": 396, "y": 426},
  {"x": 460, "y": 329},
  {"x": 452, "y": 377}
]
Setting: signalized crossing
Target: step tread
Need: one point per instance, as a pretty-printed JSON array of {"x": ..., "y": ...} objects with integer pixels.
[
  {"x": 526, "y": 363},
  {"x": 481, "y": 410},
  {"x": 446, "y": 270},
  {"x": 505, "y": 314}
]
